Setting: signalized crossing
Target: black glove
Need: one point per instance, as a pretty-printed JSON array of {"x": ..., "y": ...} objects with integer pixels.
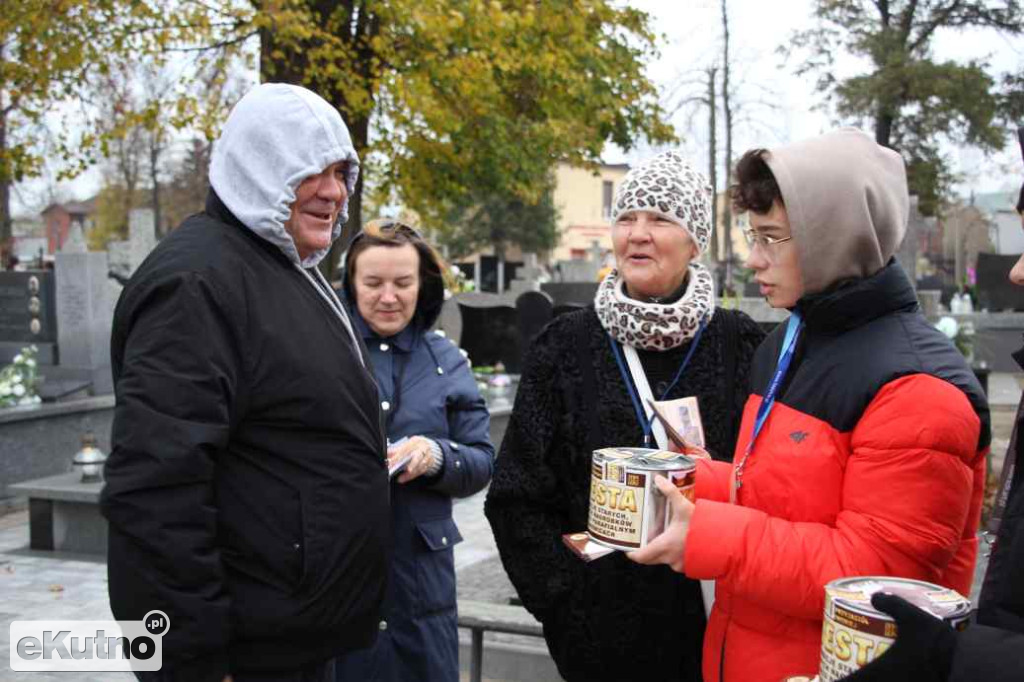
[{"x": 923, "y": 650}]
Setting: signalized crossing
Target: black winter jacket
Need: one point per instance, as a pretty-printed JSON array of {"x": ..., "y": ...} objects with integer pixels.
[
  {"x": 246, "y": 489},
  {"x": 992, "y": 649},
  {"x": 609, "y": 619}
]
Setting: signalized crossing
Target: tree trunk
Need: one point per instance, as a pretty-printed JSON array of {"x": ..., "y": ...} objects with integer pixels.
[
  {"x": 6, "y": 224},
  {"x": 330, "y": 266},
  {"x": 727, "y": 109},
  {"x": 154, "y": 158},
  {"x": 713, "y": 161},
  {"x": 883, "y": 127},
  {"x": 5, "y": 197}
]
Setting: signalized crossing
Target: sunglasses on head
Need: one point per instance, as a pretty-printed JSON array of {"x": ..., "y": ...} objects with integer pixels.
[{"x": 389, "y": 227}]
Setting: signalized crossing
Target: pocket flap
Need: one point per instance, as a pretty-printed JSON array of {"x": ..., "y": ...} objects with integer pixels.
[{"x": 440, "y": 534}]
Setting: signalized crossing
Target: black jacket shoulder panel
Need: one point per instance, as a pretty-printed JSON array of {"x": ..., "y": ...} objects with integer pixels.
[{"x": 842, "y": 363}]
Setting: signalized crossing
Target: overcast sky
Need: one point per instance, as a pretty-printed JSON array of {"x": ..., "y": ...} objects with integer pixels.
[
  {"x": 691, "y": 41},
  {"x": 772, "y": 105}
]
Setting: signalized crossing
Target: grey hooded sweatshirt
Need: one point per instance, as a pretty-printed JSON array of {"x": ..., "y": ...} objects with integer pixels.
[
  {"x": 246, "y": 491},
  {"x": 846, "y": 197}
]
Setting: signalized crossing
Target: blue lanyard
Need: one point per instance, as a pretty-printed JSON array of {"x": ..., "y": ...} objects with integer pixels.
[
  {"x": 793, "y": 329},
  {"x": 641, "y": 416}
]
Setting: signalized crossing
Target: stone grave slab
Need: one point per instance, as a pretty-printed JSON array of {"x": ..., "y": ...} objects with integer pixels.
[{"x": 64, "y": 514}]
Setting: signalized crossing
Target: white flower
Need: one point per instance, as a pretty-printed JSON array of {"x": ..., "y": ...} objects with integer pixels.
[
  {"x": 30, "y": 363},
  {"x": 948, "y": 326},
  {"x": 455, "y": 270},
  {"x": 18, "y": 358},
  {"x": 5, "y": 389},
  {"x": 16, "y": 379},
  {"x": 36, "y": 400},
  {"x": 27, "y": 400},
  {"x": 19, "y": 390}
]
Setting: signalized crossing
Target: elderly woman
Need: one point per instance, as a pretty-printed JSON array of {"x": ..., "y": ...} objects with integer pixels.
[
  {"x": 653, "y": 332},
  {"x": 435, "y": 417}
]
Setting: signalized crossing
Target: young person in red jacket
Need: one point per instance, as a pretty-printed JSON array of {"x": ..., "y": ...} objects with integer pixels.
[{"x": 862, "y": 445}]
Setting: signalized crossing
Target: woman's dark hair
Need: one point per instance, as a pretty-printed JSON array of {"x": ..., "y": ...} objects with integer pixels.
[
  {"x": 1020, "y": 200},
  {"x": 755, "y": 189},
  {"x": 434, "y": 274}
]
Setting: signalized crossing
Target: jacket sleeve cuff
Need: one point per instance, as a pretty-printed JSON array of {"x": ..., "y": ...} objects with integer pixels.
[
  {"x": 715, "y": 539},
  {"x": 437, "y": 458},
  {"x": 713, "y": 480}
]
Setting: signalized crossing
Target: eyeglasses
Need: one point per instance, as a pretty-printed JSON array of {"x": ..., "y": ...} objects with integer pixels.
[{"x": 754, "y": 237}]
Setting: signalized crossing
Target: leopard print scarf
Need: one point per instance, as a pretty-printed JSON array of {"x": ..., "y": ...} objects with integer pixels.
[{"x": 655, "y": 326}]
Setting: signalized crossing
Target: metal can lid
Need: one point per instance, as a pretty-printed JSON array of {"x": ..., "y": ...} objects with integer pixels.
[
  {"x": 648, "y": 458},
  {"x": 855, "y": 594}
]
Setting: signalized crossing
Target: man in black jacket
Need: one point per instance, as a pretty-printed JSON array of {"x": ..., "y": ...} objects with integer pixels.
[
  {"x": 247, "y": 491},
  {"x": 926, "y": 650}
]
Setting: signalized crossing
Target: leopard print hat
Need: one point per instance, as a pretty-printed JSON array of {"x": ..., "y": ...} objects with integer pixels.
[{"x": 670, "y": 186}]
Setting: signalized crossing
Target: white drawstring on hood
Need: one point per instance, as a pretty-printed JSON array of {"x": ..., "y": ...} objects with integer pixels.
[{"x": 275, "y": 137}]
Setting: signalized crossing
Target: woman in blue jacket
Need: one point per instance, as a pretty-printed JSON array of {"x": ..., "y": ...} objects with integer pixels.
[{"x": 434, "y": 415}]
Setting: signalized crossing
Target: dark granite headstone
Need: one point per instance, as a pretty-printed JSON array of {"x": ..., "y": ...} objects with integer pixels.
[
  {"x": 534, "y": 310},
  {"x": 27, "y": 307},
  {"x": 995, "y": 290},
  {"x": 570, "y": 293},
  {"x": 567, "y": 308},
  {"x": 490, "y": 335},
  {"x": 489, "y": 273}
]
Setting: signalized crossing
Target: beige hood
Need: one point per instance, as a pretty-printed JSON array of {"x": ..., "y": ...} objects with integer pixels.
[{"x": 847, "y": 202}]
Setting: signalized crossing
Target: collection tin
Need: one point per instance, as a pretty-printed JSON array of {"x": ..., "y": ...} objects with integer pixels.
[
  {"x": 627, "y": 510},
  {"x": 854, "y": 633}
]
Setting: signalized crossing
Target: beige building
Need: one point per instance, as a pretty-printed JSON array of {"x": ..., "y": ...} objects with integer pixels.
[
  {"x": 583, "y": 199},
  {"x": 739, "y": 223}
]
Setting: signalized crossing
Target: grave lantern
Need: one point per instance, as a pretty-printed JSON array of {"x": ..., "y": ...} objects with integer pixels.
[{"x": 90, "y": 458}]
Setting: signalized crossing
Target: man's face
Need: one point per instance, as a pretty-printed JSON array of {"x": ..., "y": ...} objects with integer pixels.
[
  {"x": 776, "y": 266},
  {"x": 318, "y": 200},
  {"x": 1017, "y": 273}
]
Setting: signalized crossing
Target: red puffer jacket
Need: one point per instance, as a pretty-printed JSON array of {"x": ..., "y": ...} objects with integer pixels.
[{"x": 871, "y": 463}]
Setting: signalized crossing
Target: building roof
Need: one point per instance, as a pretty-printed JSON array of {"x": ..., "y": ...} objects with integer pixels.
[
  {"x": 82, "y": 208},
  {"x": 996, "y": 202}
]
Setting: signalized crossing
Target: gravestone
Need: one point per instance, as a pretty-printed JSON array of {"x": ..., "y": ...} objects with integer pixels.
[
  {"x": 528, "y": 276},
  {"x": 916, "y": 224},
  {"x": 578, "y": 270},
  {"x": 567, "y": 308},
  {"x": 84, "y": 314},
  {"x": 126, "y": 256},
  {"x": 28, "y": 315},
  {"x": 490, "y": 335},
  {"x": 571, "y": 293},
  {"x": 995, "y": 290},
  {"x": 141, "y": 235},
  {"x": 534, "y": 309},
  {"x": 450, "y": 321},
  {"x": 929, "y": 300}
]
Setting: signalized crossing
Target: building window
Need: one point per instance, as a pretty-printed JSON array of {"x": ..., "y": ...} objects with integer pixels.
[{"x": 606, "y": 199}]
